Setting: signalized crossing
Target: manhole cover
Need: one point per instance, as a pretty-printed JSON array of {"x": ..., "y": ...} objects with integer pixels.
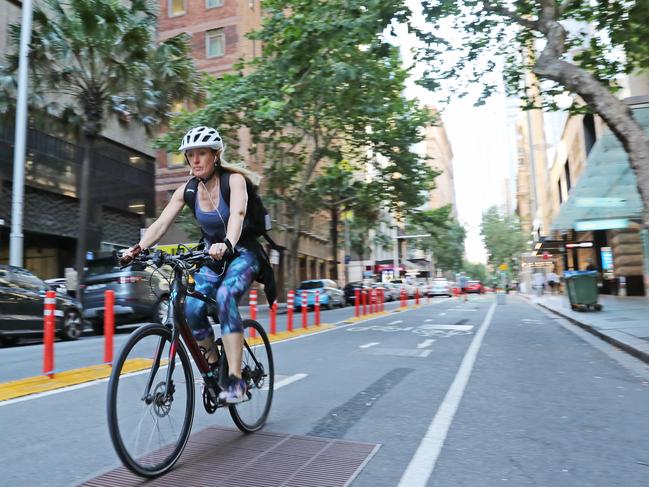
[{"x": 227, "y": 457}]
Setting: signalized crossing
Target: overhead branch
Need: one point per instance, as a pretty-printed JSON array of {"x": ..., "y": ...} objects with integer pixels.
[
  {"x": 510, "y": 14},
  {"x": 565, "y": 6}
]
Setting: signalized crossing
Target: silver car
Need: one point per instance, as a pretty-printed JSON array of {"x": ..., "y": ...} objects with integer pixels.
[
  {"x": 140, "y": 294},
  {"x": 439, "y": 287}
]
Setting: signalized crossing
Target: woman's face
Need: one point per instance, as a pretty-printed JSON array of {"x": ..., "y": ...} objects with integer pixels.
[{"x": 201, "y": 161}]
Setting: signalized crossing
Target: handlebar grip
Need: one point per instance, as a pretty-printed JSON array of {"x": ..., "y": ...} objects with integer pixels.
[{"x": 127, "y": 259}]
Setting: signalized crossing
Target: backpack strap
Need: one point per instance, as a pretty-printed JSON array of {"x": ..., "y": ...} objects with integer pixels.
[
  {"x": 224, "y": 185},
  {"x": 189, "y": 196}
]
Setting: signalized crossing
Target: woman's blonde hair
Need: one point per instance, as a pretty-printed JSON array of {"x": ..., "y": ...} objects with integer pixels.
[{"x": 252, "y": 176}]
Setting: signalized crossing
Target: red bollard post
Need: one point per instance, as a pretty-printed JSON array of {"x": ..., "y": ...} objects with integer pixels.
[
  {"x": 253, "y": 311},
  {"x": 48, "y": 333},
  {"x": 364, "y": 301},
  {"x": 417, "y": 296},
  {"x": 290, "y": 301},
  {"x": 317, "y": 308},
  {"x": 357, "y": 303},
  {"x": 404, "y": 298},
  {"x": 305, "y": 310},
  {"x": 109, "y": 325},
  {"x": 273, "y": 318}
]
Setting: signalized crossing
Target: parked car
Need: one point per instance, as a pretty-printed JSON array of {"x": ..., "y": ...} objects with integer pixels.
[
  {"x": 392, "y": 291},
  {"x": 350, "y": 291},
  {"x": 475, "y": 287},
  {"x": 439, "y": 287},
  {"x": 140, "y": 294},
  {"x": 59, "y": 285},
  {"x": 22, "y": 297},
  {"x": 330, "y": 294},
  {"x": 410, "y": 289}
]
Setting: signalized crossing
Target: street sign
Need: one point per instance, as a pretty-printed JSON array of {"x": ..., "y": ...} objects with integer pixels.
[{"x": 503, "y": 267}]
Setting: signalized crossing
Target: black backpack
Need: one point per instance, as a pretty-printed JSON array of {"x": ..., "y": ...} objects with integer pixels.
[{"x": 257, "y": 222}]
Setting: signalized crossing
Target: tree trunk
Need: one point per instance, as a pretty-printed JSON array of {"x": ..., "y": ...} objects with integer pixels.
[
  {"x": 615, "y": 113},
  {"x": 334, "y": 240},
  {"x": 84, "y": 209}
]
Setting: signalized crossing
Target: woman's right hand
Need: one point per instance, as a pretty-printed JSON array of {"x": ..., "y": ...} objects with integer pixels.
[{"x": 129, "y": 254}]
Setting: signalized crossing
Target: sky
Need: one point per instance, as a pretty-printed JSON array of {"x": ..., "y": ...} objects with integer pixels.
[{"x": 482, "y": 145}]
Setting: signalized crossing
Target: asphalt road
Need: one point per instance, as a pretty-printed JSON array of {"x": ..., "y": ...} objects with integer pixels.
[{"x": 461, "y": 394}]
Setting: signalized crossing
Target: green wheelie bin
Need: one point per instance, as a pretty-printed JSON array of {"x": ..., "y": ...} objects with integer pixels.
[{"x": 582, "y": 290}]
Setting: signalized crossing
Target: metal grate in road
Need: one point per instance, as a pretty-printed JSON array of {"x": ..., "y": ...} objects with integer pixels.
[{"x": 225, "y": 457}]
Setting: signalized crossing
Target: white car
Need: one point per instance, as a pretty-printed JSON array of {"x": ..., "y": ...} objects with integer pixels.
[{"x": 439, "y": 287}]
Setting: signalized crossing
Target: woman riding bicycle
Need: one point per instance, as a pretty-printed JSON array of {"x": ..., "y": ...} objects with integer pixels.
[{"x": 221, "y": 224}]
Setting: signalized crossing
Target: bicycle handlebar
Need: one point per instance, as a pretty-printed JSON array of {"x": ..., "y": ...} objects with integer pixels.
[{"x": 159, "y": 258}]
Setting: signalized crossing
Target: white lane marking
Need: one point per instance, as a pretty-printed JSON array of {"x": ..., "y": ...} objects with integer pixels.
[
  {"x": 442, "y": 314},
  {"x": 368, "y": 345},
  {"x": 429, "y": 319},
  {"x": 289, "y": 380},
  {"x": 396, "y": 322},
  {"x": 421, "y": 466},
  {"x": 447, "y": 327},
  {"x": 426, "y": 343},
  {"x": 462, "y": 309}
]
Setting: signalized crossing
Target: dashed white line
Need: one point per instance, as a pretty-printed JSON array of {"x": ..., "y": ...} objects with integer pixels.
[
  {"x": 396, "y": 322},
  {"x": 288, "y": 380},
  {"x": 368, "y": 345},
  {"x": 426, "y": 343}
]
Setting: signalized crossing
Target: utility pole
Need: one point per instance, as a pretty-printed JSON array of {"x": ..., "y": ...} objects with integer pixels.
[{"x": 20, "y": 139}]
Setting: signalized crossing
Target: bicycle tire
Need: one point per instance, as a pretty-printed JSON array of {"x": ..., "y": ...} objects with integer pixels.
[
  {"x": 130, "y": 459},
  {"x": 239, "y": 411}
]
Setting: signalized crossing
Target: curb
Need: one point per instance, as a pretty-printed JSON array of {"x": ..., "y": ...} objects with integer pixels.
[{"x": 630, "y": 349}]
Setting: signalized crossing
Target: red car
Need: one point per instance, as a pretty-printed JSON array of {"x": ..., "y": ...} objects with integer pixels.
[{"x": 475, "y": 287}]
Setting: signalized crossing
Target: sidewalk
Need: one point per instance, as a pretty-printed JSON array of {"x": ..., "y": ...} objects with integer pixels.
[{"x": 623, "y": 322}]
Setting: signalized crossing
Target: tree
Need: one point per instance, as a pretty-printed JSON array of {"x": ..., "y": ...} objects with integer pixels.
[
  {"x": 327, "y": 87},
  {"x": 90, "y": 59},
  {"x": 503, "y": 237},
  {"x": 475, "y": 270},
  {"x": 446, "y": 240},
  {"x": 571, "y": 58},
  {"x": 337, "y": 190}
]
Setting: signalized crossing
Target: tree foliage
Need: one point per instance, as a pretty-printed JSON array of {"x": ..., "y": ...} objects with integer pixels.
[
  {"x": 579, "y": 46},
  {"x": 503, "y": 237},
  {"x": 327, "y": 88}
]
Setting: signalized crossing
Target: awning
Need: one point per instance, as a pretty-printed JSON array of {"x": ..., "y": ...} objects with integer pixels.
[{"x": 606, "y": 194}]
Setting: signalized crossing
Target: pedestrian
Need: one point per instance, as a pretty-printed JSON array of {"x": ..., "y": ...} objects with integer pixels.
[
  {"x": 553, "y": 282},
  {"x": 221, "y": 223},
  {"x": 538, "y": 282},
  {"x": 463, "y": 282}
]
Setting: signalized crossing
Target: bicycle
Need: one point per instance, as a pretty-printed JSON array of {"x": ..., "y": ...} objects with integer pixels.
[{"x": 153, "y": 373}]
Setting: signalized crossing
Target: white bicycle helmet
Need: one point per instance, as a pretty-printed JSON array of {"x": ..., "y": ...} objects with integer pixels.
[{"x": 201, "y": 137}]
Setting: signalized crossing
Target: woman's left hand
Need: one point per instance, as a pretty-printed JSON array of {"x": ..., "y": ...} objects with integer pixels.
[{"x": 217, "y": 250}]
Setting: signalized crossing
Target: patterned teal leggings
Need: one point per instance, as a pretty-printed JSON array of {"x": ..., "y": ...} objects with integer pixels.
[{"x": 227, "y": 290}]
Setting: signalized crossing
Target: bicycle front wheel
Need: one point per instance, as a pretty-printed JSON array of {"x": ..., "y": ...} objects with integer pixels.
[
  {"x": 258, "y": 370},
  {"x": 149, "y": 414}
]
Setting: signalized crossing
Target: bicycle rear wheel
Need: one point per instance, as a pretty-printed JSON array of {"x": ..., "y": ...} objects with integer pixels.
[
  {"x": 150, "y": 425},
  {"x": 258, "y": 370}
]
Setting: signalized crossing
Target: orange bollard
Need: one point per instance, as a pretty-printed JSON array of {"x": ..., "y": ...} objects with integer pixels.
[
  {"x": 253, "y": 311},
  {"x": 48, "y": 333},
  {"x": 417, "y": 296},
  {"x": 109, "y": 325},
  {"x": 317, "y": 308},
  {"x": 290, "y": 302},
  {"x": 404, "y": 298},
  {"x": 305, "y": 310},
  {"x": 357, "y": 303},
  {"x": 364, "y": 301},
  {"x": 273, "y": 318}
]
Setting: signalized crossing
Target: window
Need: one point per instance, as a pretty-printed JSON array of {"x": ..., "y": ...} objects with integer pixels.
[
  {"x": 175, "y": 160},
  {"x": 176, "y": 7},
  {"x": 213, "y": 3},
  {"x": 560, "y": 193},
  {"x": 567, "y": 171},
  {"x": 215, "y": 43}
]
